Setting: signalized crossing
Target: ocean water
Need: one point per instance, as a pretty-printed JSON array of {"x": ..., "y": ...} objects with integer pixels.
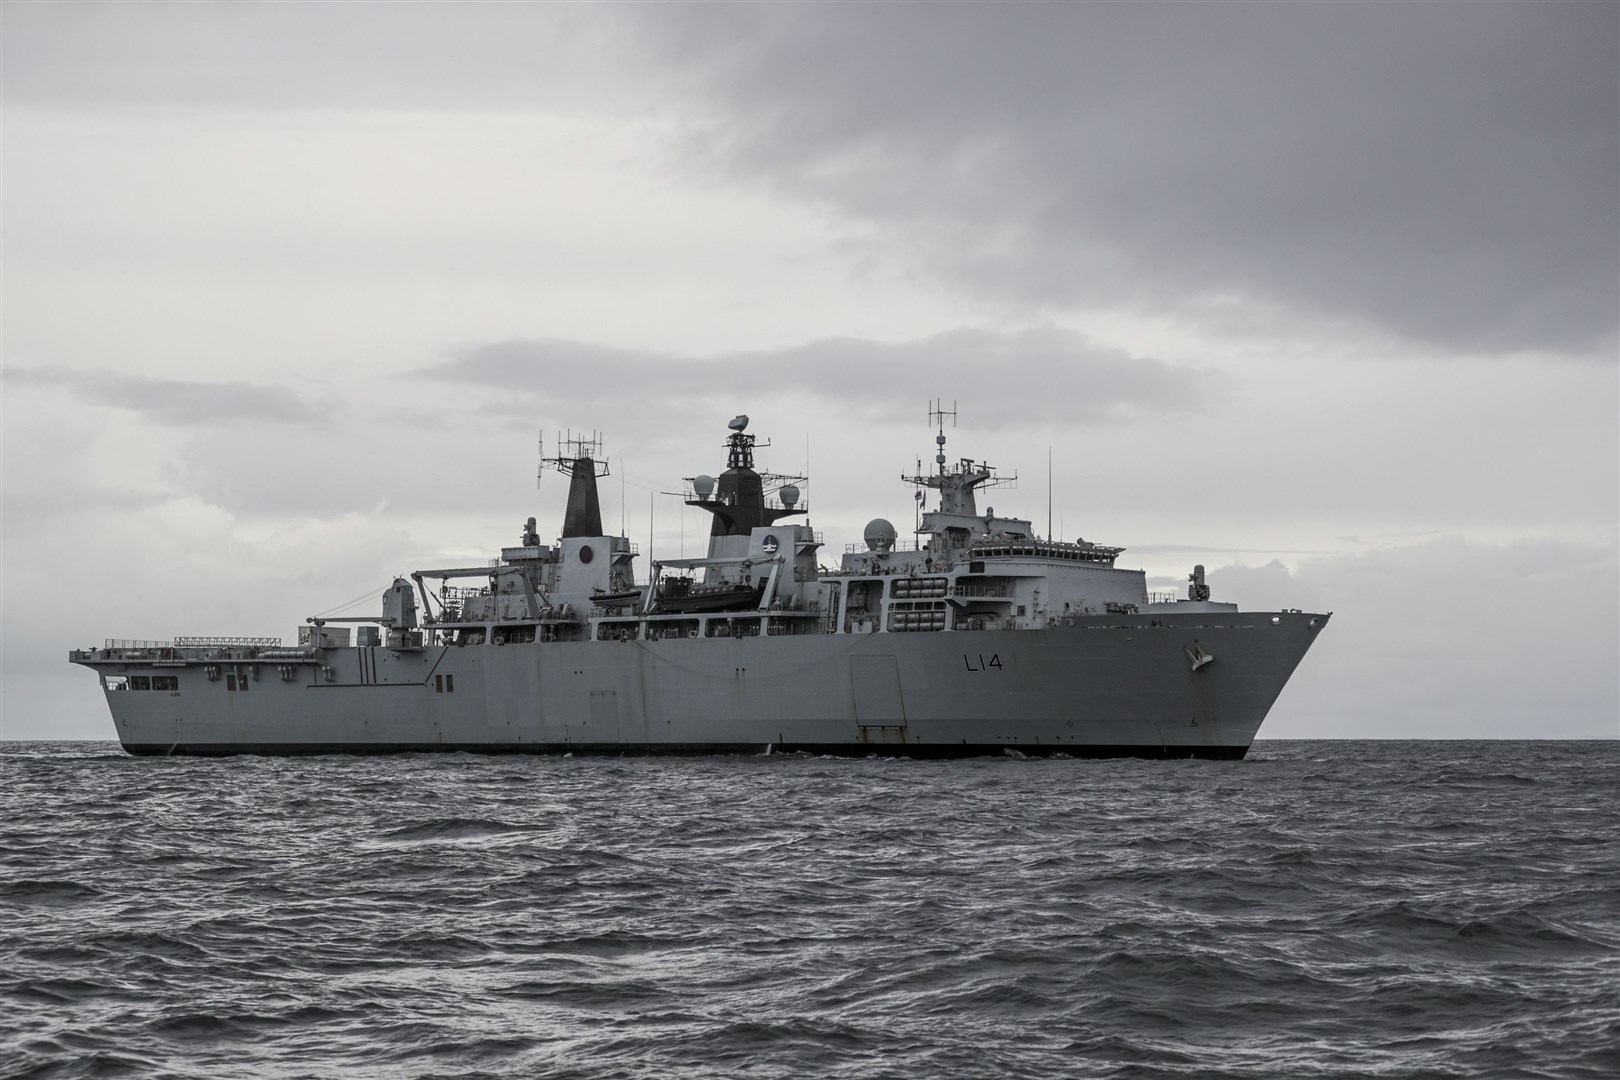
[{"x": 1322, "y": 909}]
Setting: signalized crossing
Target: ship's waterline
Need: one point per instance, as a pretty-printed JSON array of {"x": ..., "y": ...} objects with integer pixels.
[{"x": 980, "y": 637}]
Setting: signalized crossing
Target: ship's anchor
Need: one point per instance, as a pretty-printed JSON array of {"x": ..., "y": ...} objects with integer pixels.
[{"x": 1195, "y": 652}]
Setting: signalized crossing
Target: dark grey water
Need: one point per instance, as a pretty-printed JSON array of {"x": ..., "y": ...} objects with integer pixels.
[{"x": 1321, "y": 909}]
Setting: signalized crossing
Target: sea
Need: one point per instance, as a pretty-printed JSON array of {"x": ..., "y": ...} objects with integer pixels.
[{"x": 1320, "y": 909}]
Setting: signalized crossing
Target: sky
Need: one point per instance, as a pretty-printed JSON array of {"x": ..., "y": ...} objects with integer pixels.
[{"x": 1323, "y": 296}]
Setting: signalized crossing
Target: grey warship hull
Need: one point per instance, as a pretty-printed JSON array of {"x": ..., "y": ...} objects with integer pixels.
[{"x": 1109, "y": 686}]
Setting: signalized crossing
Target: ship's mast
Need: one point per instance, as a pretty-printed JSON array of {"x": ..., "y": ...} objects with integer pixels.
[
  {"x": 957, "y": 483},
  {"x": 957, "y": 520},
  {"x": 937, "y": 415},
  {"x": 578, "y": 457},
  {"x": 739, "y": 500}
]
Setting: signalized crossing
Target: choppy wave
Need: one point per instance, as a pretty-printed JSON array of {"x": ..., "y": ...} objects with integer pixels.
[{"x": 1321, "y": 909}]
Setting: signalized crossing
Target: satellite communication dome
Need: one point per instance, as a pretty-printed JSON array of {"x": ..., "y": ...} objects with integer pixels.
[
  {"x": 739, "y": 422},
  {"x": 880, "y": 535},
  {"x": 789, "y": 494},
  {"x": 703, "y": 486}
]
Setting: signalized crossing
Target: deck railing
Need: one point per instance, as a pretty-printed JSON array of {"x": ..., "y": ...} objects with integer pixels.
[{"x": 227, "y": 642}]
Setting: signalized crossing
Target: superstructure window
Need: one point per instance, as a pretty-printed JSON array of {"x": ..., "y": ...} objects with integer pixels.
[{"x": 165, "y": 682}]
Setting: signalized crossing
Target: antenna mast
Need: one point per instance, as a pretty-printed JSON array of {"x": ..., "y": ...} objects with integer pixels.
[
  {"x": 936, "y": 416},
  {"x": 578, "y": 457},
  {"x": 573, "y": 449}
]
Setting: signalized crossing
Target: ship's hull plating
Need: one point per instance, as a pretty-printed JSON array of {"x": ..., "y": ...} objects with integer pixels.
[{"x": 1092, "y": 686}]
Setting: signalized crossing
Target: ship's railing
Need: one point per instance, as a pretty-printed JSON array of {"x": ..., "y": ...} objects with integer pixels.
[
  {"x": 195, "y": 643},
  {"x": 862, "y": 549},
  {"x": 980, "y": 590},
  {"x": 227, "y": 642},
  {"x": 186, "y": 647},
  {"x": 1049, "y": 549},
  {"x": 1163, "y": 597},
  {"x": 454, "y": 599}
]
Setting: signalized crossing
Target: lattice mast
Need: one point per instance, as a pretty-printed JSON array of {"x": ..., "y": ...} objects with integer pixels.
[{"x": 955, "y": 483}]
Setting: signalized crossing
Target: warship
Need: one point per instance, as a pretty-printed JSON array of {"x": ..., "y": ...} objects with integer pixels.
[{"x": 976, "y": 637}]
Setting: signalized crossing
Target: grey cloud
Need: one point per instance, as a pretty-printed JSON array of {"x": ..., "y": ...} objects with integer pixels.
[
  {"x": 346, "y": 468},
  {"x": 180, "y": 402},
  {"x": 1443, "y": 172},
  {"x": 1044, "y": 373},
  {"x": 66, "y": 497}
]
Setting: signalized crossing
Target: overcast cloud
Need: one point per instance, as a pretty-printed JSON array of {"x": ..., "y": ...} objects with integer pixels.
[
  {"x": 1442, "y": 172},
  {"x": 1322, "y": 295},
  {"x": 1100, "y": 383},
  {"x": 186, "y": 402}
]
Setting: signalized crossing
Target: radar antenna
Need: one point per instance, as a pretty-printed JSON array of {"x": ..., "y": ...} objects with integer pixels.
[
  {"x": 955, "y": 483},
  {"x": 577, "y": 458},
  {"x": 936, "y": 416},
  {"x": 739, "y": 497},
  {"x": 575, "y": 451}
]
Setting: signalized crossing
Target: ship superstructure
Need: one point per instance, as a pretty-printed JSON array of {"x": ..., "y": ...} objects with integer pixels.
[{"x": 978, "y": 636}]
